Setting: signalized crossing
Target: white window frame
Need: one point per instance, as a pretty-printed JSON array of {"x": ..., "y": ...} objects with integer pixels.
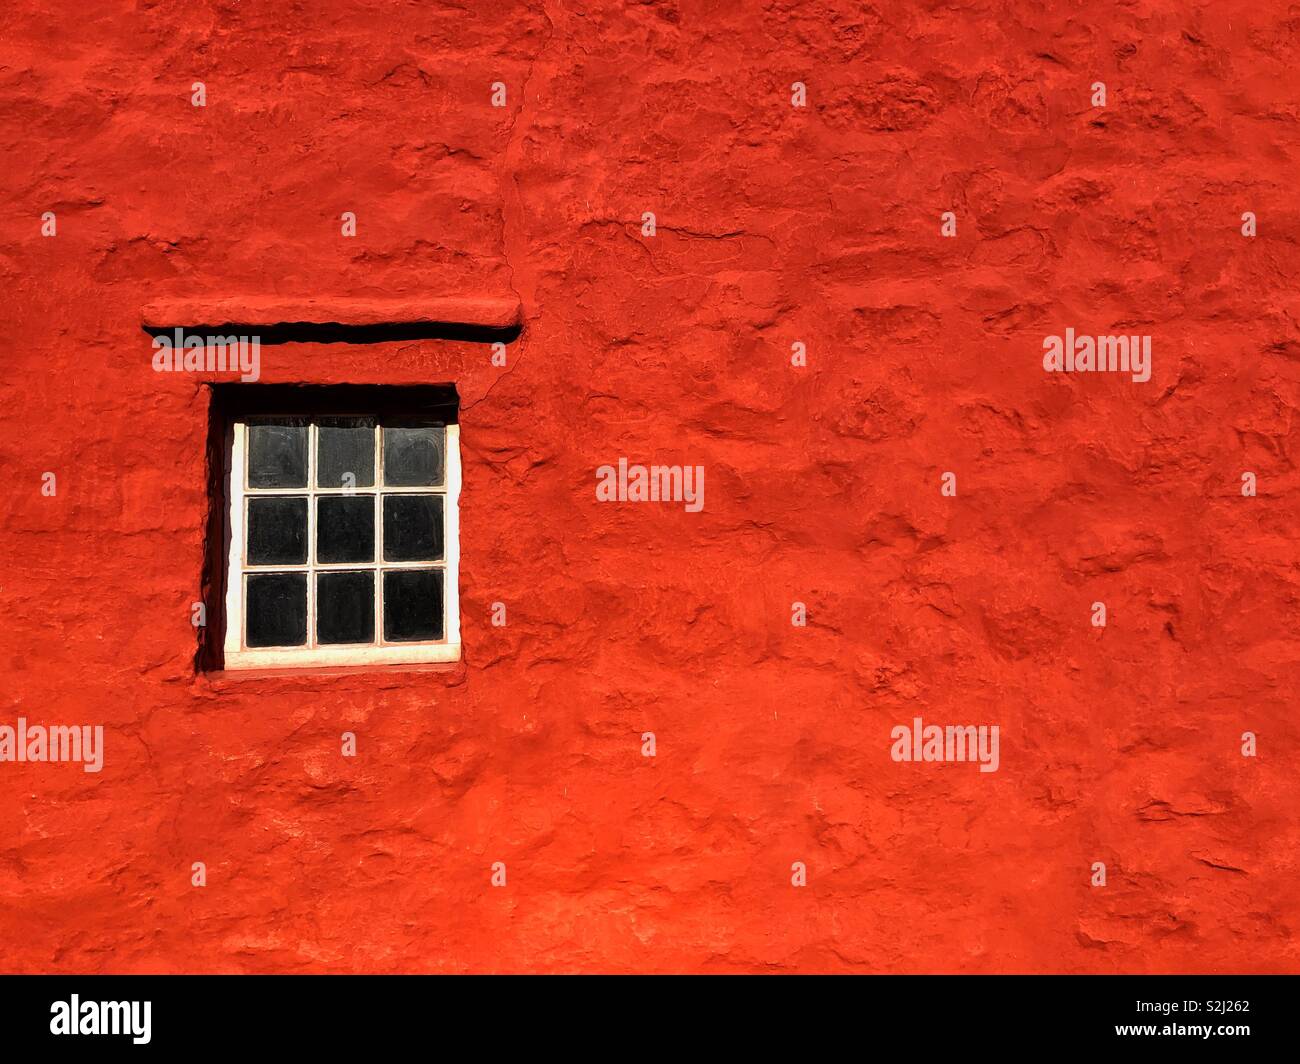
[{"x": 240, "y": 656}]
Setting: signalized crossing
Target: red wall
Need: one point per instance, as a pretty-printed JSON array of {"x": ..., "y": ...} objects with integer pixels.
[{"x": 775, "y": 225}]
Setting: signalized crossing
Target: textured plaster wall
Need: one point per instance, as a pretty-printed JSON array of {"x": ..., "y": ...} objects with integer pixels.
[{"x": 775, "y": 225}]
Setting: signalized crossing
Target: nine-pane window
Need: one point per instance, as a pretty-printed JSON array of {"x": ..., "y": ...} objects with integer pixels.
[{"x": 343, "y": 541}]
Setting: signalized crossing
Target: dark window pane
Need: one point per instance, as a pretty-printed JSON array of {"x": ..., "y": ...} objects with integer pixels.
[
  {"x": 277, "y": 610},
  {"x": 345, "y": 445},
  {"x": 412, "y": 605},
  {"x": 412, "y": 528},
  {"x": 345, "y": 528},
  {"x": 277, "y": 531},
  {"x": 413, "y": 455},
  {"x": 345, "y": 607},
  {"x": 277, "y": 455}
]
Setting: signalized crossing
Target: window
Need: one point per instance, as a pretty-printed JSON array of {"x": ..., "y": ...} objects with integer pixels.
[{"x": 342, "y": 539}]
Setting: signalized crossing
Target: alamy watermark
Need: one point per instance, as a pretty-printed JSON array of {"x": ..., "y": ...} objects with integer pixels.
[
  {"x": 656, "y": 483},
  {"x": 1098, "y": 354},
  {"x": 56, "y": 743},
  {"x": 102, "y": 1017},
  {"x": 960, "y": 742},
  {"x": 208, "y": 354}
]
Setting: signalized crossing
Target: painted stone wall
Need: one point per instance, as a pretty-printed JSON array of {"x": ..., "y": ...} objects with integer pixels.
[{"x": 775, "y": 225}]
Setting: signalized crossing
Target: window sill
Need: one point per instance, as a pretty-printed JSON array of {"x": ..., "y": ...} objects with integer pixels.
[
  {"x": 453, "y": 673},
  {"x": 342, "y": 655}
]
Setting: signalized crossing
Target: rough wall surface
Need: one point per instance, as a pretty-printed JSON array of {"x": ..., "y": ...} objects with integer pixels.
[{"x": 775, "y": 224}]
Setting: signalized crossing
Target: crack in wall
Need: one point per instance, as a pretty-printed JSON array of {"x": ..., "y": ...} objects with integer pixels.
[{"x": 515, "y": 248}]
